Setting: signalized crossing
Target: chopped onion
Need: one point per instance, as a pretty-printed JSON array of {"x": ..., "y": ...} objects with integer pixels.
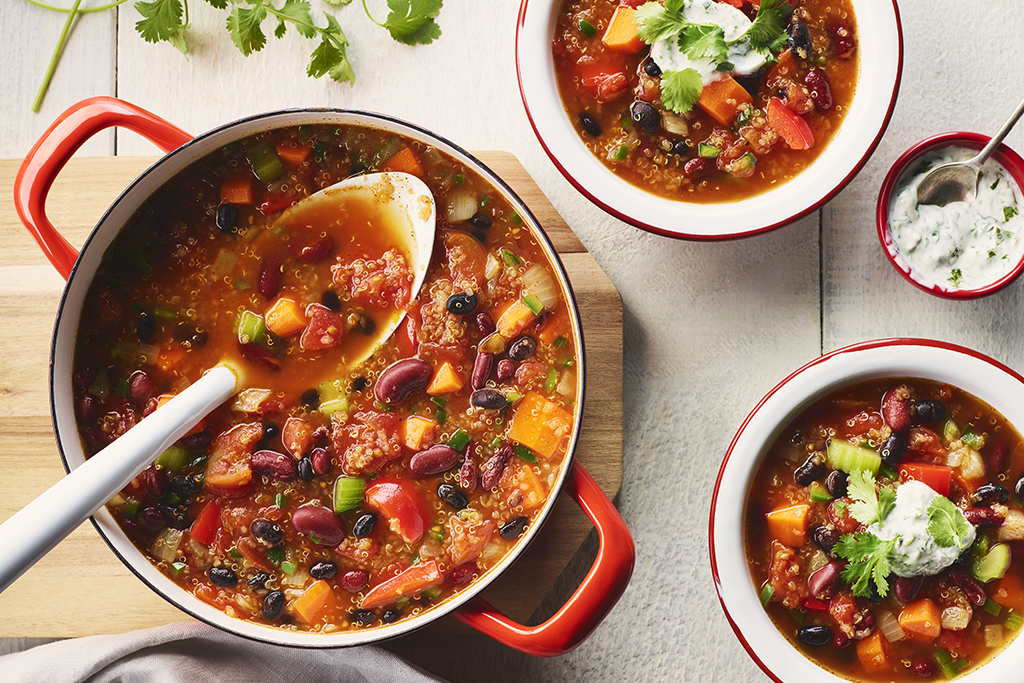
[
  {"x": 567, "y": 385},
  {"x": 250, "y": 400},
  {"x": 224, "y": 263},
  {"x": 299, "y": 578},
  {"x": 165, "y": 545},
  {"x": 889, "y": 626},
  {"x": 537, "y": 280},
  {"x": 100, "y": 386},
  {"x": 994, "y": 635},
  {"x": 492, "y": 267},
  {"x": 674, "y": 123},
  {"x": 461, "y": 206}
]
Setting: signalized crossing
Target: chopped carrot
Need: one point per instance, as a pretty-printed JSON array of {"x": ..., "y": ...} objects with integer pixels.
[
  {"x": 237, "y": 190},
  {"x": 404, "y": 161},
  {"x": 515, "y": 319},
  {"x": 416, "y": 578},
  {"x": 445, "y": 381},
  {"x": 292, "y": 155},
  {"x": 1009, "y": 591},
  {"x": 310, "y": 605},
  {"x": 418, "y": 432},
  {"x": 785, "y": 67},
  {"x": 789, "y": 524},
  {"x": 285, "y": 318},
  {"x": 922, "y": 620},
  {"x": 873, "y": 652},
  {"x": 540, "y": 425},
  {"x": 722, "y": 99},
  {"x": 167, "y": 360},
  {"x": 621, "y": 34}
]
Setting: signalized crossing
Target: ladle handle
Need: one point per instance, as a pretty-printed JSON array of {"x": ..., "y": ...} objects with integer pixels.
[
  {"x": 38, "y": 527},
  {"x": 987, "y": 150}
]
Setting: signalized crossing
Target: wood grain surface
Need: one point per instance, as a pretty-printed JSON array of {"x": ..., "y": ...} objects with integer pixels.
[{"x": 81, "y": 588}]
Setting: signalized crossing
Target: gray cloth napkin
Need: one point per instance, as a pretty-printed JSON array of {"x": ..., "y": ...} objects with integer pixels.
[{"x": 193, "y": 652}]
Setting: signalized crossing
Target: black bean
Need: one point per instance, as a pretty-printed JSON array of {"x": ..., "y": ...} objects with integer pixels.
[
  {"x": 646, "y": 115},
  {"x": 331, "y": 300},
  {"x": 360, "y": 383},
  {"x": 363, "y": 617},
  {"x": 799, "y": 40},
  {"x": 145, "y": 328},
  {"x": 222, "y": 576},
  {"x": 453, "y": 495},
  {"x": 488, "y": 399},
  {"x": 680, "y": 148},
  {"x": 310, "y": 398},
  {"x": 929, "y": 410},
  {"x": 836, "y": 483},
  {"x": 270, "y": 430},
  {"x": 651, "y": 68},
  {"x": 589, "y": 124},
  {"x": 258, "y": 581},
  {"x": 364, "y": 525},
  {"x": 462, "y": 303},
  {"x": 480, "y": 221},
  {"x": 826, "y": 538},
  {"x": 323, "y": 570},
  {"x": 187, "y": 484},
  {"x": 306, "y": 469},
  {"x": 990, "y": 493},
  {"x": 1018, "y": 488},
  {"x": 273, "y": 605},
  {"x": 815, "y": 636},
  {"x": 266, "y": 531},
  {"x": 812, "y": 469},
  {"x": 227, "y": 216},
  {"x": 176, "y": 519},
  {"x": 390, "y": 615},
  {"x": 514, "y": 529},
  {"x": 522, "y": 348},
  {"x": 893, "y": 449}
]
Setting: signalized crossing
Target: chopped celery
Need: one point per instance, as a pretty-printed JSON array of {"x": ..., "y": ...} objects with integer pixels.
[
  {"x": 845, "y": 456},
  {"x": 950, "y": 432},
  {"x": 177, "y": 568},
  {"x": 175, "y": 458},
  {"x": 251, "y": 328},
  {"x": 434, "y": 592},
  {"x": 288, "y": 567},
  {"x": 551, "y": 381},
  {"x": 336, "y": 405},
  {"x": 993, "y": 564},
  {"x": 265, "y": 163},
  {"x": 512, "y": 397},
  {"x": 971, "y": 439},
  {"x": 993, "y": 608},
  {"x": 348, "y": 493},
  {"x": 533, "y": 303},
  {"x": 1013, "y": 620},
  {"x": 164, "y": 312},
  {"x": 618, "y": 153},
  {"x": 330, "y": 389},
  {"x": 459, "y": 440},
  {"x": 818, "y": 493},
  {"x": 460, "y": 178},
  {"x": 131, "y": 507},
  {"x": 516, "y": 218}
]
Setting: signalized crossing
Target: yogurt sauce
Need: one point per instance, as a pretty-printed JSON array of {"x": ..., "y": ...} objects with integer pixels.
[
  {"x": 961, "y": 245},
  {"x": 734, "y": 23},
  {"x": 916, "y": 553}
]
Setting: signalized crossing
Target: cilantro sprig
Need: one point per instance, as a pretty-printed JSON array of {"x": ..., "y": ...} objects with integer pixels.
[
  {"x": 869, "y": 557},
  {"x": 870, "y": 504},
  {"x": 946, "y": 524}
]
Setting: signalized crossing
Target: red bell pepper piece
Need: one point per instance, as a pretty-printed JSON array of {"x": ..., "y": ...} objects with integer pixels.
[
  {"x": 790, "y": 126},
  {"x": 207, "y": 524},
  {"x": 413, "y": 580},
  {"x": 939, "y": 477},
  {"x": 400, "y": 502}
]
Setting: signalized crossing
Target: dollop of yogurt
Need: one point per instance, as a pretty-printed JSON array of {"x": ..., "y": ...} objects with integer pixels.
[
  {"x": 916, "y": 553},
  {"x": 963, "y": 245},
  {"x": 734, "y": 23}
]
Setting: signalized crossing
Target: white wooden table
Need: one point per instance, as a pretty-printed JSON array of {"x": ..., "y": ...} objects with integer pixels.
[{"x": 709, "y": 328}]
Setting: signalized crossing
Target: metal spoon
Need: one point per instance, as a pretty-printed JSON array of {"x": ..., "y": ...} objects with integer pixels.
[
  {"x": 958, "y": 182},
  {"x": 38, "y": 527}
]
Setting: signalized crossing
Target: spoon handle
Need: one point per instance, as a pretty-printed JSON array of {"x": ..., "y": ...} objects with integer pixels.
[
  {"x": 38, "y": 527},
  {"x": 987, "y": 150}
]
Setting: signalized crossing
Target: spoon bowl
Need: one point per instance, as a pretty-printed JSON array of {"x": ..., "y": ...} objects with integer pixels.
[{"x": 403, "y": 200}]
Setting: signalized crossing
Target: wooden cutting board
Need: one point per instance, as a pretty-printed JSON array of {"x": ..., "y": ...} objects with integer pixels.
[{"x": 81, "y": 588}]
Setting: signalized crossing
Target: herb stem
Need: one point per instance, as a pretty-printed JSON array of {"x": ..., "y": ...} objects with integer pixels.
[
  {"x": 56, "y": 57},
  {"x": 84, "y": 10},
  {"x": 367, "y": 10}
]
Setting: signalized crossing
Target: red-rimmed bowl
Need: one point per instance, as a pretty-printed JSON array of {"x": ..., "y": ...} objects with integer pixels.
[
  {"x": 985, "y": 378},
  {"x": 569, "y": 627},
  {"x": 880, "y": 48},
  {"x": 904, "y": 167}
]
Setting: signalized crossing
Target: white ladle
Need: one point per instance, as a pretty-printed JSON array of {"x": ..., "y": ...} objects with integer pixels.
[{"x": 38, "y": 527}]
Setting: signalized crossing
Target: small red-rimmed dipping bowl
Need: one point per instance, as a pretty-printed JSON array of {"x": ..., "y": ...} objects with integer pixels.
[
  {"x": 910, "y": 165},
  {"x": 940, "y": 362},
  {"x": 612, "y": 569}
]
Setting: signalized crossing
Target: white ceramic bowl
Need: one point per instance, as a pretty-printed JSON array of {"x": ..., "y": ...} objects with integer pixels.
[
  {"x": 880, "y": 49},
  {"x": 989, "y": 380}
]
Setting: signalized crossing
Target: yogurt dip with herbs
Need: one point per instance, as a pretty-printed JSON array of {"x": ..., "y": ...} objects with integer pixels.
[{"x": 963, "y": 245}]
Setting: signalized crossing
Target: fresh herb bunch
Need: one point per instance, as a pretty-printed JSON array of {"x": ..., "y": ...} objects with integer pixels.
[{"x": 680, "y": 90}]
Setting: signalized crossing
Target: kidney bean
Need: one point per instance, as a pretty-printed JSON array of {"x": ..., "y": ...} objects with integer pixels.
[
  {"x": 354, "y": 580},
  {"x": 822, "y": 583},
  {"x": 698, "y": 167},
  {"x": 893, "y": 449},
  {"x": 468, "y": 473},
  {"x": 481, "y": 370},
  {"x": 906, "y": 588},
  {"x": 323, "y": 570},
  {"x": 401, "y": 379},
  {"x": 254, "y": 353},
  {"x": 983, "y": 517},
  {"x": 836, "y": 483},
  {"x": 198, "y": 442},
  {"x": 484, "y": 325},
  {"x": 156, "y": 481},
  {"x": 896, "y": 409},
  {"x": 315, "y": 251},
  {"x": 990, "y": 493},
  {"x": 505, "y": 370},
  {"x": 364, "y": 525},
  {"x": 998, "y": 456},
  {"x": 435, "y": 460},
  {"x": 929, "y": 410},
  {"x": 320, "y": 523},
  {"x": 461, "y": 575},
  {"x": 812, "y": 469},
  {"x": 495, "y": 465},
  {"x": 273, "y": 464},
  {"x": 140, "y": 385},
  {"x": 153, "y": 519},
  {"x": 87, "y": 408},
  {"x": 974, "y": 590},
  {"x": 522, "y": 348},
  {"x": 488, "y": 399},
  {"x": 273, "y": 605},
  {"x": 222, "y": 576},
  {"x": 923, "y": 667},
  {"x": 266, "y": 531},
  {"x": 843, "y": 41},
  {"x": 268, "y": 282},
  {"x": 320, "y": 459},
  {"x": 514, "y": 529},
  {"x": 815, "y": 636},
  {"x": 819, "y": 88}
]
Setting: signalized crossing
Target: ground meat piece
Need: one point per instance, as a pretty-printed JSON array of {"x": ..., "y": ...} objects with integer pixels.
[
  {"x": 382, "y": 282},
  {"x": 786, "y": 576},
  {"x": 366, "y": 442}
]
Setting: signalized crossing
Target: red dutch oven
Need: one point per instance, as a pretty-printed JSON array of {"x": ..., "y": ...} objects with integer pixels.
[{"x": 563, "y": 632}]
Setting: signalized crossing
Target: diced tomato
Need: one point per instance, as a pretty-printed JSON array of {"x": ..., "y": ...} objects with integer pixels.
[
  {"x": 406, "y": 336},
  {"x": 401, "y": 504},
  {"x": 925, "y": 445},
  {"x": 207, "y": 524},
  {"x": 275, "y": 203},
  {"x": 324, "y": 328},
  {"x": 413, "y": 580},
  {"x": 861, "y": 423},
  {"x": 228, "y": 471},
  {"x": 466, "y": 541},
  {"x": 466, "y": 260},
  {"x": 606, "y": 79},
  {"x": 790, "y": 126},
  {"x": 956, "y": 642},
  {"x": 939, "y": 477},
  {"x": 296, "y": 436}
]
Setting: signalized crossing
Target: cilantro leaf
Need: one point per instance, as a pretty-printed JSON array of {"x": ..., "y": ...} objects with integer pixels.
[
  {"x": 161, "y": 19},
  {"x": 1009, "y": 212},
  {"x": 704, "y": 41},
  {"x": 244, "y": 27},
  {"x": 868, "y": 561},
  {"x": 218, "y": 4},
  {"x": 337, "y": 3},
  {"x": 680, "y": 90},
  {"x": 412, "y": 21},
  {"x": 297, "y": 12},
  {"x": 869, "y": 505},
  {"x": 655, "y": 21},
  {"x": 946, "y": 524},
  {"x": 330, "y": 57},
  {"x": 768, "y": 30}
]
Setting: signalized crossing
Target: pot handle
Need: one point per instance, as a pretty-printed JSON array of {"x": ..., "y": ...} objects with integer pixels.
[
  {"x": 590, "y": 604},
  {"x": 57, "y": 145}
]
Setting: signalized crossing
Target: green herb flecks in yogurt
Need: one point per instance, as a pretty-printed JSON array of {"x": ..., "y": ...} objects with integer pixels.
[
  {"x": 911, "y": 531},
  {"x": 695, "y": 42},
  {"x": 961, "y": 245}
]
